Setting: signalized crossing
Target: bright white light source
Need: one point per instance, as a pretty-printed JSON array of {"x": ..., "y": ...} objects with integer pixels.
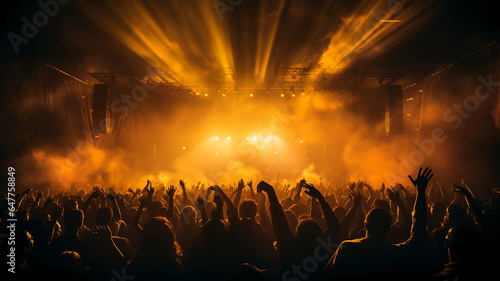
[
  {"x": 183, "y": 148},
  {"x": 228, "y": 138},
  {"x": 300, "y": 141},
  {"x": 269, "y": 137},
  {"x": 216, "y": 138},
  {"x": 215, "y": 153},
  {"x": 254, "y": 138}
]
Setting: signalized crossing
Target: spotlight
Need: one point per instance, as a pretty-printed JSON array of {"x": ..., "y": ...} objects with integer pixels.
[
  {"x": 251, "y": 95},
  {"x": 282, "y": 95},
  {"x": 223, "y": 95},
  {"x": 183, "y": 148},
  {"x": 300, "y": 141},
  {"x": 293, "y": 95},
  {"x": 216, "y": 138},
  {"x": 254, "y": 138},
  {"x": 276, "y": 152},
  {"x": 269, "y": 137},
  {"x": 197, "y": 93},
  {"x": 206, "y": 95},
  {"x": 228, "y": 138},
  {"x": 248, "y": 138},
  {"x": 215, "y": 153}
]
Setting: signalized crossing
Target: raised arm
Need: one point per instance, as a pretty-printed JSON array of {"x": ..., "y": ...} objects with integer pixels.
[
  {"x": 185, "y": 199},
  {"x": 284, "y": 236},
  {"x": 94, "y": 194},
  {"x": 331, "y": 220},
  {"x": 232, "y": 212},
  {"x": 487, "y": 228},
  {"x": 418, "y": 227},
  {"x": 170, "y": 193},
  {"x": 143, "y": 204},
  {"x": 315, "y": 210},
  {"x": 200, "y": 204},
  {"x": 116, "y": 211},
  {"x": 349, "y": 216},
  {"x": 393, "y": 195},
  {"x": 250, "y": 185},
  {"x": 296, "y": 198},
  {"x": 239, "y": 189}
]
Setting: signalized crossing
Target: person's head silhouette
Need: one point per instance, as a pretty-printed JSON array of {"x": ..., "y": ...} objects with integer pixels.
[
  {"x": 248, "y": 209},
  {"x": 377, "y": 223}
]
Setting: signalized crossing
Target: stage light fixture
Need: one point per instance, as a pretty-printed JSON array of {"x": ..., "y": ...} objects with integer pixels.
[
  {"x": 206, "y": 95},
  {"x": 254, "y": 138},
  {"x": 282, "y": 95},
  {"x": 216, "y": 138},
  {"x": 183, "y": 148},
  {"x": 228, "y": 138},
  {"x": 251, "y": 95}
]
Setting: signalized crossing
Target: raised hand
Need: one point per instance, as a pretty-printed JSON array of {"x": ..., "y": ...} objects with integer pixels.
[
  {"x": 393, "y": 194},
  {"x": 241, "y": 184},
  {"x": 217, "y": 199},
  {"x": 183, "y": 184},
  {"x": 151, "y": 191},
  {"x": 264, "y": 186},
  {"x": 131, "y": 191},
  {"x": 460, "y": 189},
  {"x": 103, "y": 232},
  {"x": 422, "y": 179},
  {"x": 382, "y": 189},
  {"x": 171, "y": 191},
  {"x": 356, "y": 198},
  {"x": 200, "y": 203},
  {"x": 351, "y": 185},
  {"x": 312, "y": 191}
]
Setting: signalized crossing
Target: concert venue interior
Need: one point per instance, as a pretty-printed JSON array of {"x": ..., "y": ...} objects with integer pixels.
[
  {"x": 263, "y": 88},
  {"x": 115, "y": 93}
]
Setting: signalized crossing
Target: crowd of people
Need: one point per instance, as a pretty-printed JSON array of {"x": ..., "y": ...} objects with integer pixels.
[{"x": 248, "y": 231}]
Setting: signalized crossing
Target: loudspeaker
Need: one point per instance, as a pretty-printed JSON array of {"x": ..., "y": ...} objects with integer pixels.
[
  {"x": 100, "y": 108},
  {"x": 394, "y": 123}
]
